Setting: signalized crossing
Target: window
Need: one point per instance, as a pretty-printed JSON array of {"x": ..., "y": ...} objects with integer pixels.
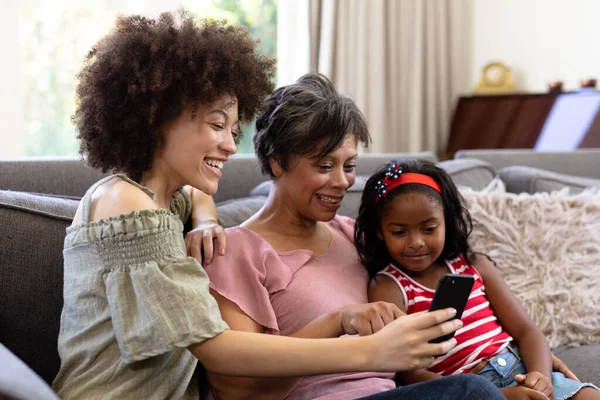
[{"x": 54, "y": 36}]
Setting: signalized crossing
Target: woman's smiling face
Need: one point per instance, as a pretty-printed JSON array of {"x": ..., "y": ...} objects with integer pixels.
[
  {"x": 195, "y": 147},
  {"x": 314, "y": 187}
]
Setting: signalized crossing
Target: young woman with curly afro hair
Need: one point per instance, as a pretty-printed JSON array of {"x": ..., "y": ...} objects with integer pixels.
[{"x": 159, "y": 103}]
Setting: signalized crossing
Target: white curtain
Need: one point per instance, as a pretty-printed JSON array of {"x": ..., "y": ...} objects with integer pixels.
[{"x": 398, "y": 59}]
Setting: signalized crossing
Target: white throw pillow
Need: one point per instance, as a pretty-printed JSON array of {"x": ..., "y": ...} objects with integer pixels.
[{"x": 547, "y": 247}]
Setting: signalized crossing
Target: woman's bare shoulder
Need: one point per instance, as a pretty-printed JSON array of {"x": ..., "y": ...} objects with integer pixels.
[{"x": 116, "y": 198}]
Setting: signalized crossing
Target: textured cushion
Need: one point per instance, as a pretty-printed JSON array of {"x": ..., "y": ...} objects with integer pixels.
[
  {"x": 19, "y": 382},
  {"x": 520, "y": 179},
  {"x": 31, "y": 276},
  {"x": 583, "y": 361},
  {"x": 472, "y": 173},
  {"x": 234, "y": 212},
  {"x": 547, "y": 247}
]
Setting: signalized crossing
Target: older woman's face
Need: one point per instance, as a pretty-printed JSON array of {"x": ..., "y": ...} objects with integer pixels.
[
  {"x": 195, "y": 149},
  {"x": 315, "y": 187}
]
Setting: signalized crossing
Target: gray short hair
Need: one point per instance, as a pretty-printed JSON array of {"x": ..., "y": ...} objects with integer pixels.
[{"x": 307, "y": 116}]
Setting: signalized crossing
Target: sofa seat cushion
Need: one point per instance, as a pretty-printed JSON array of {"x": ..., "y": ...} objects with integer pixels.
[
  {"x": 583, "y": 361},
  {"x": 547, "y": 247},
  {"x": 521, "y": 179},
  {"x": 31, "y": 276}
]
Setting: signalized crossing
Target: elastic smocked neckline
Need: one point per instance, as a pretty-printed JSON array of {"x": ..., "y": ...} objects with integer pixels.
[{"x": 137, "y": 223}]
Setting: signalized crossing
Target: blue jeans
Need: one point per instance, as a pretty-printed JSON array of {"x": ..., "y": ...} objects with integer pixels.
[
  {"x": 501, "y": 371},
  {"x": 462, "y": 387}
]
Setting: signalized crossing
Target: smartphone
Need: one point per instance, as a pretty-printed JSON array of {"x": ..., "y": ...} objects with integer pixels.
[{"x": 452, "y": 291}]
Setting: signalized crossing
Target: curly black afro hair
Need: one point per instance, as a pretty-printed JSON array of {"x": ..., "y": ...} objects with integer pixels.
[{"x": 144, "y": 73}]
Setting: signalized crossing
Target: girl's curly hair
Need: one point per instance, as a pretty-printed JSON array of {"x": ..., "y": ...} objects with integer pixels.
[
  {"x": 372, "y": 250},
  {"x": 145, "y": 72}
]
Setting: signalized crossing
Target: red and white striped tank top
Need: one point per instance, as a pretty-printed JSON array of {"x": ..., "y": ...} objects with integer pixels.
[{"x": 481, "y": 336}]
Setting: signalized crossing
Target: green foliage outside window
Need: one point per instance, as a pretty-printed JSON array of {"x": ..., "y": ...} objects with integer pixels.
[{"x": 56, "y": 35}]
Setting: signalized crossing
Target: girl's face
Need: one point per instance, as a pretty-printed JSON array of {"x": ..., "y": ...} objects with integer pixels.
[
  {"x": 194, "y": 149},
  {"x": 414, "y": 231},
  {"x": 314, "y": 188}
]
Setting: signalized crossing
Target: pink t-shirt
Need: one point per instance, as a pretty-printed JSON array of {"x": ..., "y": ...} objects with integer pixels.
[{"x": 283, "y": 292}]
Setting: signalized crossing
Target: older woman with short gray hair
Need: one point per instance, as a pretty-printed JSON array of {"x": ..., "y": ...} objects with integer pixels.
[{"x": 294, "y": 270}]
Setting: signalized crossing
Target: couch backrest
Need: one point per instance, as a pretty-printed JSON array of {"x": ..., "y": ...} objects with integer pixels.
[
  {"x": 583, "y": 162},
  {"x": 64, "y": 176},
  {"x": 33, "y": 231},
  {"x": 70, "y": 176}
]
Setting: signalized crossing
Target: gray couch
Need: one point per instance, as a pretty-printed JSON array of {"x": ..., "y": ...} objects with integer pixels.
[{"x": 38, "y": 199}]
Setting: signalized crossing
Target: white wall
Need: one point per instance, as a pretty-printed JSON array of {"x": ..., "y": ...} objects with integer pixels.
[{"x": 541, "y": 40}]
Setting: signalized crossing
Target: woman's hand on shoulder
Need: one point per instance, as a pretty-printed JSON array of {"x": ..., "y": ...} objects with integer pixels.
[
  {"x": 366, "y": 319},
  {"x": 200, "y": 240}
]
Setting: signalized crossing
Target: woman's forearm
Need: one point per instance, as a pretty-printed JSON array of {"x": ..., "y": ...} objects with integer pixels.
[
  {"x": 402, "y": 345},
  {"x": 254, "y": 354},
  {"x": 228, "y": 387},
  {"x": 326, "y": 326},
  {"x": 203, "y": 206}
]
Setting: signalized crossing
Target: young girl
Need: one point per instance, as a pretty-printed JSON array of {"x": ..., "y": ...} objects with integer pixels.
[{"x": 413, "y": 228}]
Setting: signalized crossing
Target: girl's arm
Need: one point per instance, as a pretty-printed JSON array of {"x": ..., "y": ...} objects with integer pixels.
[
  {"x": 384, "y": 288},
  {"x": 362, "y": 318},
  {"x": 533, "y": 346}
]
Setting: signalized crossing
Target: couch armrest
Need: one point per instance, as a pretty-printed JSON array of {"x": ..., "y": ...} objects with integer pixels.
[{"x": 19, "y": 382}]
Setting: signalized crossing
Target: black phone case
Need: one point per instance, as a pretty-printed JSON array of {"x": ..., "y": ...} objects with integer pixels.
[{"x": 452, "y": 291}]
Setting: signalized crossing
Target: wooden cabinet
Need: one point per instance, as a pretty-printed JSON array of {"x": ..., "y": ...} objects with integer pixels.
[{"x": 545, "y": 121}]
